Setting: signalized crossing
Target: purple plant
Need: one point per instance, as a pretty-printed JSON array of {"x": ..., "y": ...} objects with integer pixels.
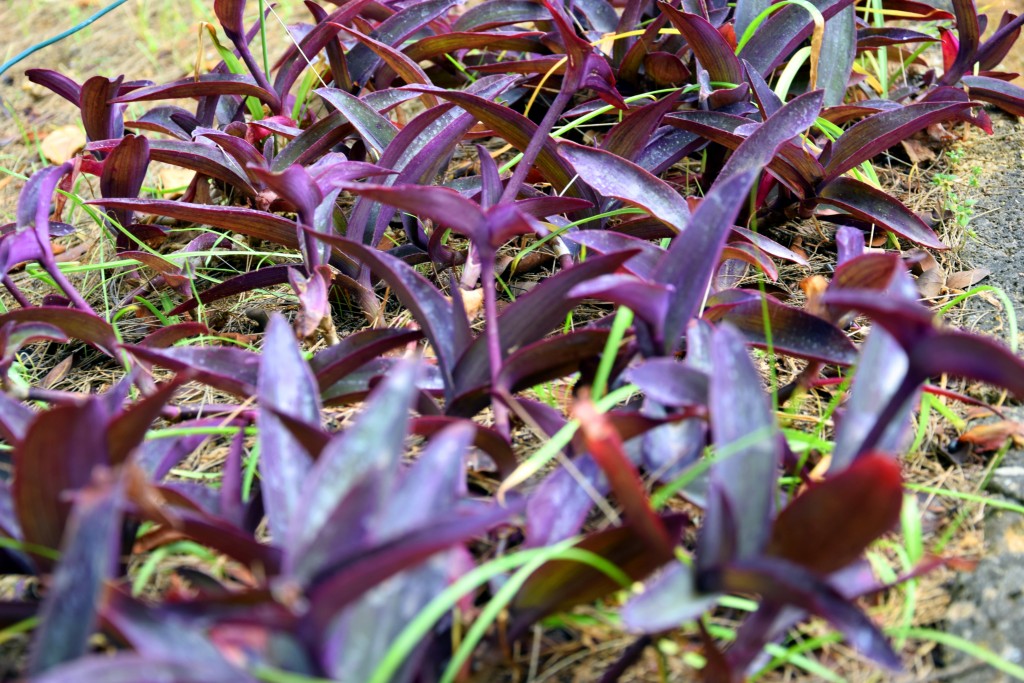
[{"x": 390, "y": 182}]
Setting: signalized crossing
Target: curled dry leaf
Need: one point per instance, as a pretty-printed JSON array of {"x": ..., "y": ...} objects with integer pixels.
[
  {"x": 967, "y": 278},
  {"x": 992, "y": 437},
  {"x": 62, "y": 144}
]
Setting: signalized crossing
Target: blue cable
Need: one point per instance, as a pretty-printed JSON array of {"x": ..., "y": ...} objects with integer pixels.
[{"x": 60, "y": 36}]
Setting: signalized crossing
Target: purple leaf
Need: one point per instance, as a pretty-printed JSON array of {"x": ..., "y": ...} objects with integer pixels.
[
  {"x": 440, "y": 204},
  {"x": 712, "y": 50},
  {"x": 408, "y": 70},
  {"x": 57, "y": 455},
  {"x": 561, "y": 584},
  {"x": 124, "y": 170},
  {"x": 642, "y": 264},
  {"x": 1007, "y": 96},
  {"x": 875, "y": 206},
  {"x": 838, "y": 50},
  {"x": 226, "y": 368},
  {"x": 90, "y": 554},
  {"x": 169, "y": 120},
  {"x": 518, "y": 131},
  {"x": 57, "y": 82},
  {"x": 368, "y": 451},
  {"x": 550, "y": 359},
  {"x": 486, "y": 439},
  {"x": 629, "y": 137},
  {"x": 254, "y": 279},
  {"x": 286, "y": 384},
  {"x": 781, "y": 581},
  {"x": 323, "y": 35},
  {"x": 613, "y": 176},
  {"x": 793, "y": 331},
  {"x": 649, "y": 300},
  {"x": 745, "y": 435},
  {"x": 429, "y": 307},
  {"x": 230, "y": 14},
  {"x": 313, "y": 142},
  {"x": 15, "y": 419},
  {"x": 129, "y": 667},
  {"x": 33, "y": 212},
  {"x": 418, "y": 153},
  {"x": 334, "y": 362},
  {"x": 669, "y": 382},
  {"x": 172, "y": 334},
  {"x": 816, "y": 529},
  {"x": 258, "y": 224},
  {"x": 449, "y": 43},
  {"x": 669, "y": 599},
  {"x": 968, "y": 355},
  {"x": 881, "y": 131},
  {"x": 205, "y": 86},
  {"x": 558, "y": 507},
  {"x": 692, "y": 259},
  {"x": 349, "y": 581},
  {"x": 500, "y": 13},
  {"x": 376, "y": 130},
  {"x": 74, "y": 323},
  {"x": 999, "y": 44},
  {"x": 362, "y": 62},
  {"x": 777, "y": 37},
  {"x": 239, "y": 149},
  {"x": 968, "y": 34},
  {"x": 792, "y": 165},
  {"x": 531, "y": 317},
  {"x": 126, "y": 430},
  {"x": 101, "y": 118},
  {"x": 883, "y": 37}
]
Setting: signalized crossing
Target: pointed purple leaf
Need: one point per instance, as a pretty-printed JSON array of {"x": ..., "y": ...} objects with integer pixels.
[
  {"x": 205, "y": 86},
  {"x": 91, "y": 551},
  {"x": 881, "y": 131},
  {"x": 531, "y": 317},
  {"x": 793, "y": 331},
  {"x": 781, "y": 581},
  {"x": 56, "y": 82},
  {"x": 613, "y": 176},
  {"x": 670, "y": 382},
  {"x": 74, "y": 323},
  {"x": 334, "y": 362},
  {"x": 285, "y": 384},
  {"x": 746, "y": 436},
  {"x": 500, "y": 13},
  {"x": 376, "y": 130},
  {"x": 713, "y": 52},
  {"x": 669, "y": 599},
  {"x": 968, "y": 34},
  {"x": 1007, "y": 96},
  {"x": 101, "y": 117},
  {"x": 875, "y": 206},
  {"x": 226, "y": 368}
]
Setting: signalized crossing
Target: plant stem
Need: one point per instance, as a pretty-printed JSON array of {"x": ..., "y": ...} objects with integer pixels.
[
  {"x": 493, "y": 339},
  {"x": 536, "y": 143}
]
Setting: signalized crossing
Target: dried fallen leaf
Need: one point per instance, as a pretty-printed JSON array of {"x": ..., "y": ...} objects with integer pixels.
[
  {"x": 814, "y": 288},
  {"x": 917, "y": 151},
  {"x": 473, "y": 300},
  {"x": 174, "y": 180},
  {"x": 62, "y": 144},
  {"x": 991, "y": 437},
  {"x": 967, "y": 278},
  {"x": 58, "y": 373},
  {"x": 930, "y": 275}
]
